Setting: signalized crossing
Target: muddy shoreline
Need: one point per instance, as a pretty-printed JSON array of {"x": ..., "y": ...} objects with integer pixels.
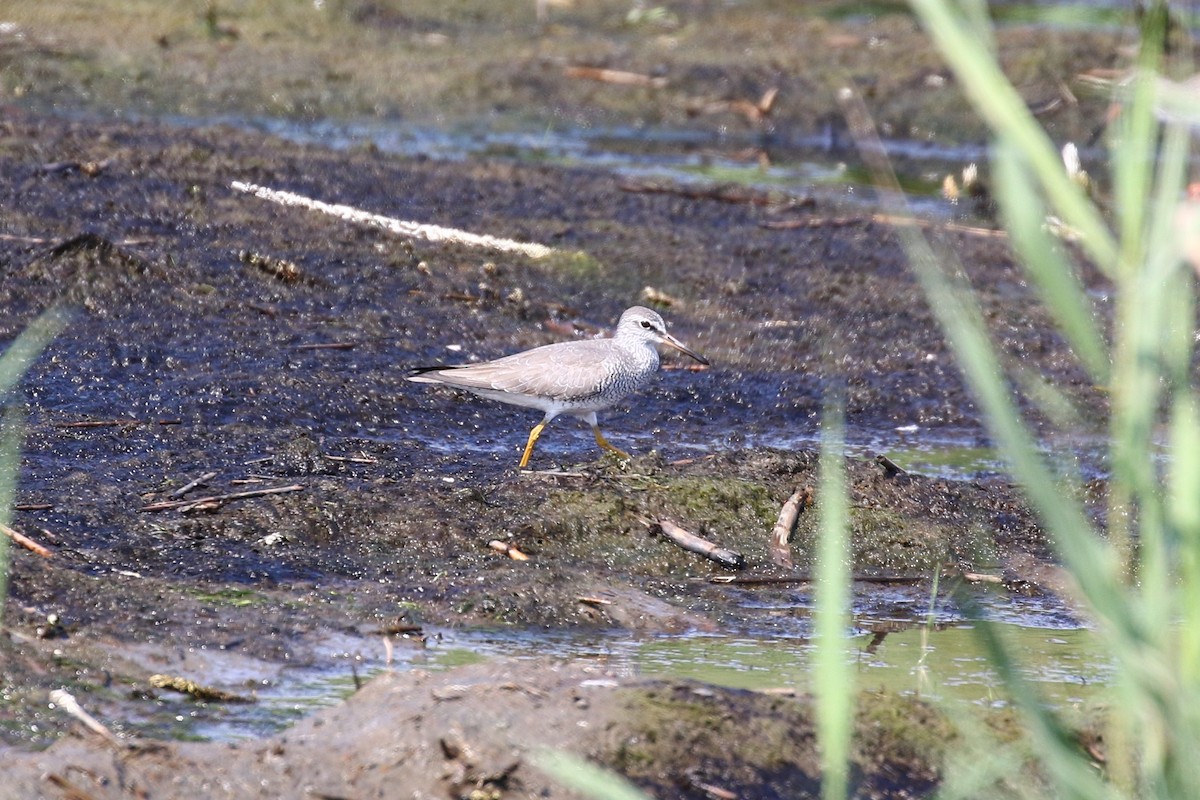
[
  {"x": 199, "y": 354},
  {"x": 225, "y": 344}
]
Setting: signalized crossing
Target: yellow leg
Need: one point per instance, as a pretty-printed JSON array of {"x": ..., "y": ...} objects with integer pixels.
[
  {"x": 533, "y": 437},
  {"x": 600, "y": 440}
]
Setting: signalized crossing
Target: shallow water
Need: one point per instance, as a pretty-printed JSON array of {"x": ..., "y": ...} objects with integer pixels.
[
  {"x": 895, "y": 645},
  {"x": 797, "y": 165}
]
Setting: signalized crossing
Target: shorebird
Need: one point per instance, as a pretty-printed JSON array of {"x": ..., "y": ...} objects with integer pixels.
[{"x": 575, "y": 378}]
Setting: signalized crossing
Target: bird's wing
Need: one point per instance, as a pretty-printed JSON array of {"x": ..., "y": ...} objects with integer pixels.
[{"x": 565, "y": 370}]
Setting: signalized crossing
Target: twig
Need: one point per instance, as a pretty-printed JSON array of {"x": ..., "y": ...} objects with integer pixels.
[
  {"x": 714, "y": 792},
  {"x": 594, "y": 601},
  {"x": 982, "y": 577},
  {"x": 767, "y": 580},
  {"x": 754, "y": 112},
  {"x": 724, "y": 194},
  {"x": 69, "y": 790},
  {"x": 616, "y": 76},
  {"x": 416, "y": 230},
  {"x": 67, "y": 702},
  {"x": 814, "y": 222},
  {"x": 8, "y": 237},
  {"x": 33, "y": 506},
  {"x": 363, "y": 459},
  {"x": 99, "y": 423},
  {"x": 25, "y": 541},
  {"x": 695, "y": 544},
  {"x": 189, "y": 687},
  {"x": 220, "y": 498},
  {"x": 889, "y": 467},
  {"x": 508, "y": 550},
  {"x": 885, "y": 219},
  {"x": 552, "y": 473},
  {"x": 116, "y": 423},
  {"x": 279, "y": 268},
  {"x": 781, "y": 554},
  {"x": 327, "y": 346},
  {"x": 187, "y": 487}
]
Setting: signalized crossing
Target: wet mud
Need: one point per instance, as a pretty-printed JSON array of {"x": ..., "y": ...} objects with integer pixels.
[
  {"x": 183, "y": 357},
  {"x": 219, "y": 345}
]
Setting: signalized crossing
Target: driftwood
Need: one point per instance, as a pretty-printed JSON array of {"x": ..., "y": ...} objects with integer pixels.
[
  {"x": 781, "y": 534},
  {"x": 695, "y": 544},
  {"x": 220, "y": 498},
  {"x": 889, "y": 467}
]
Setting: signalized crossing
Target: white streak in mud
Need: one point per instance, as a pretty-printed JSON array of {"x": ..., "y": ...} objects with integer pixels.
[{"x": 416, "y": 230}]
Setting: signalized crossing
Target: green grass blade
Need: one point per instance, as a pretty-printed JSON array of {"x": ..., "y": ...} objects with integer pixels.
[
  {"x": 1134, "y": 135},
  {"x": 585, "y": 777},
  {"x": 1090, "y": 563},
  {"x": 25, "y": 349},
  {"x": 1006, "y": 113},
  {"x": 833, "y": 682},
  {"x": 14, "y": 363},
  {"x": 1053, "y": 743},
  {"x": 1044, "y": 261},
  {"x": 11, "y": 435}
]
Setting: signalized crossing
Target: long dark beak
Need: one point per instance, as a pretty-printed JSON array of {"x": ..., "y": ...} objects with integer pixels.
[{"x": 670, "y": 340}]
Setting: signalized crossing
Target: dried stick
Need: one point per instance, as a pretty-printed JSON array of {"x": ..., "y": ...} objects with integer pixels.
[
  {"x": 189, "y": 687},
  {"x": 890, "y": 468},
  {"x": 416, "y": 230},
  {"x": 767, "y": 580},
  {"x": 982, "y": 577},
  {"x": 115, "y": 423},
  {"x": 327, "y": 346},
  {"x": 187, "y": 487},
  {"x": 616, "y": 76},
  {"x": 695, "y": 544},
  {"x": 781, "y": 554},
  {"x": 220, "y": 498},
  {"x": 25, "y": 541},
  {"x": 363, "y": 459},
  {"x": 886, "y": 219},
  {"x": 67, "y": 702},
  {"x": 509, "y": 550},
  {"x": 720, "y": 193}
]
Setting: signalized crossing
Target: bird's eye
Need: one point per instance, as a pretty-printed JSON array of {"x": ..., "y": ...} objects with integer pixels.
[{"x": 646, "y": 325}]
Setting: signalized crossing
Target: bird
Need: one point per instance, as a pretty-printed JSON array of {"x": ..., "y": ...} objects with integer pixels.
[{"x": 576, "y": 378}]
